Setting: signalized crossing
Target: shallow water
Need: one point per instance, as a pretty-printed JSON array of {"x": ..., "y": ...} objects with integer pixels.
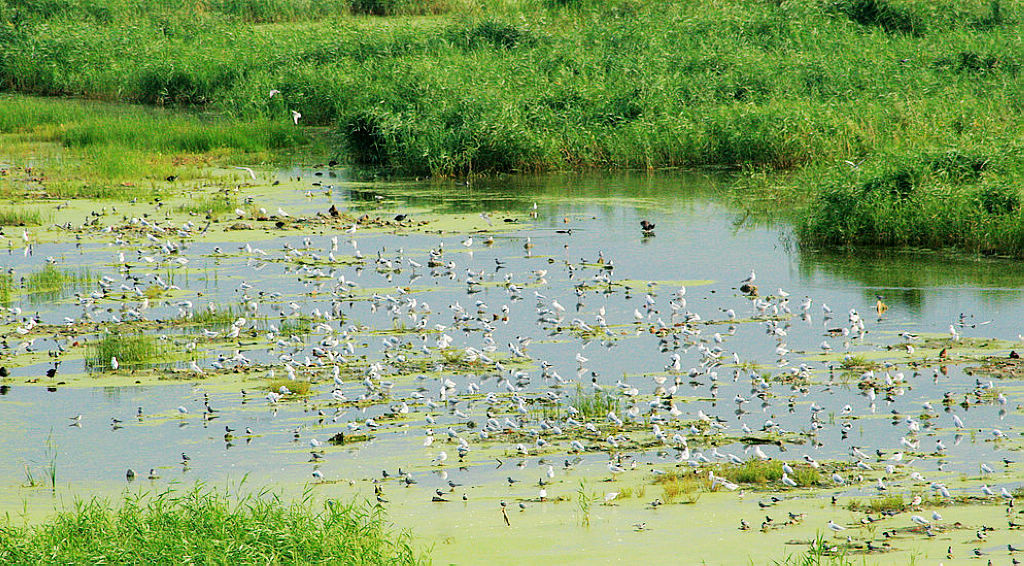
[{"x": 702, "y": 240}]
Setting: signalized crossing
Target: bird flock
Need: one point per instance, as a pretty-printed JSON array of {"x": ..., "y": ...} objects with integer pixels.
[{"x": 524, "y": 359}]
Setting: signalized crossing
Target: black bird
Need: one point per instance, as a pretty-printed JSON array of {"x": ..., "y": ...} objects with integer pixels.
[
  {"x": 130, "y": 475},
  {"x": 647, "y": 227},
  {"x": 53, "y": 371},
  {"x": 4, "y": 372}
]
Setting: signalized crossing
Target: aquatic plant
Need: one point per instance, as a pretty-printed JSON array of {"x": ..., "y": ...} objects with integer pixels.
[
  {"x": 753, "y": 472},
  {"x": 584, "y": 501},
  {"x": 682, "y": 485},
  {"x": 214, "y": 206},
  {"x": 595, "y": 404},
  {"x": 297, "y": 325},
  {"x": 6, "y": 287},
  {"x": 133, "y": 350},
  {"x": 20, "y": 216},
  {"x": 821, "y": 552},
  {"x": 208, "y": 527},
  {"x": 51, "y": 282},
  {"x": 878, "y": 504},
  {"x": 296, "y": 386},
  {"x": 217, "y": 315}
]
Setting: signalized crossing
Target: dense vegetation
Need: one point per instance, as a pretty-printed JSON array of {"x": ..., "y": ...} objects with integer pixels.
[
  {"x": 896, "y": 120},
  {"x": 202, "y": 527}
]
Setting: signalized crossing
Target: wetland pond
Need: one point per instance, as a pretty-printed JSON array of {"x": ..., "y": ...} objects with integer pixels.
[{"x": 515, "y": 372}]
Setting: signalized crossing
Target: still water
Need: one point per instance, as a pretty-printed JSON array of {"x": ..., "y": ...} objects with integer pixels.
[{"x": 567, "y": 253}]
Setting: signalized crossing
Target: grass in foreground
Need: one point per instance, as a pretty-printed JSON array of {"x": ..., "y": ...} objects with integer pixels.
[{"x": 204, "y": 527}]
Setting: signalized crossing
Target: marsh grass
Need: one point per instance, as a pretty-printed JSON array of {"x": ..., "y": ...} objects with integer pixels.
[
  {"x": 858, "y": 362},
  {"x": 51, "y": 283},
  {"x": 296, "y": 386},
  {"x": 133, "y": 351},
  {"x": 684, "y": 487},
  {"x": 6, "y": 287},
  {"x": 878, "y": 504},
  {"x": 20, "y": 216},
  {"x": 584, "y": 501},
  {"x": 107, "y": 150},
  {"x": 821, "y": 552},
  {"x": 218, "y": 316},
  {"x": 210, "y": 528},
  {"x": 800, "y": 93},
  {"x": 753, "y": 472},
  {"x": 211, "y": 205},
  {"x": 297, "y": 325},
  {"x": 595, "y": 404}
]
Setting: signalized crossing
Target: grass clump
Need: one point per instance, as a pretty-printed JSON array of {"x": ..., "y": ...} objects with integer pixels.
[
  {"x": 6, "y": 287},
  {"x": 211, "y": 205},
  {"x": 131, "y": 350},
  {"x": 208, "y": 528},
  {"x": 879, "y": 504},
  {"x": 296, "y": 386},
  {"x": 20, "y": 216},
  {"x": 755, "y": 472},
  {"x": 217, "y": 315},
  {"x": 51, "y": 283},
  {"x": 682, "y": 486},
  {"x": 595, "y": 404}
]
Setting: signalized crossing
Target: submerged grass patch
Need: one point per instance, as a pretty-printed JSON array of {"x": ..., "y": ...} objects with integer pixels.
[{"x": 207, "y": 527}]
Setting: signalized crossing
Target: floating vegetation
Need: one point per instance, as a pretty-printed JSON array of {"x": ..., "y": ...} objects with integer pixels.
[
  {"x": 132, "y": 351},
  {"x": 52, "y": 283}
]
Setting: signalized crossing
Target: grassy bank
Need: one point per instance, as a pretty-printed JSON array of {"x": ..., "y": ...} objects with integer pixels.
[
  {"x": 840, "y": 91},
  {"x": 204, "y": 527}
]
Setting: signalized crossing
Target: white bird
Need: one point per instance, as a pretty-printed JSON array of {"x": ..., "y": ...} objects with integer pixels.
[
  {"x": 919, "y": 520},
  {"x": 113, "y": 363},
  {"x": 835, "y": 527},
  {"x": 295, "y": 117},
  {"x": 252, "y": 175}
]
